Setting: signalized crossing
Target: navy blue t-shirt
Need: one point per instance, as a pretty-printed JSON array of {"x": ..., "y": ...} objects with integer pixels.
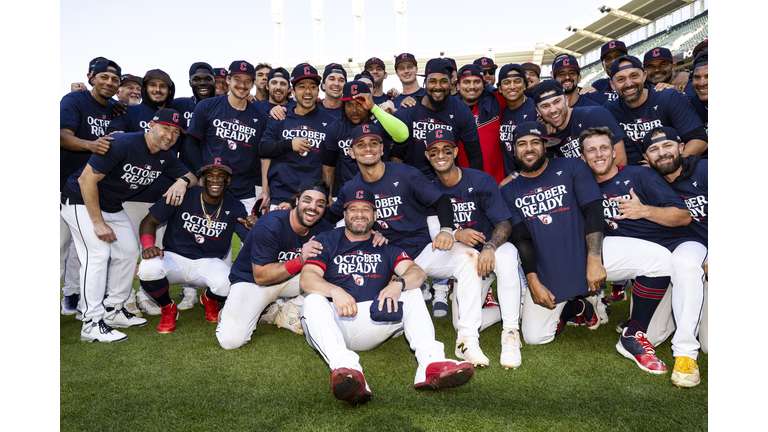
[
  {"x": 417, "y": 95},
  {"x": 583, "y": 101},
  {"x": 694, "y": 192},
  {"x": 271, "y": 240},
  {"x": 129, "y": 169},
  {"x": 652, "y": 190},
  {"x": 360, "y": 268},
  {"x": 603, "y": 86},
  {"x": 381, "y": 99},
  {"x": 403, "y": 195},
  {"x": 456, "y": 117},
  {"x": 286, "y": 172},
  {"x": 234, "y": 135},
  {"x": 81, "y": 113},
  {"x": 476, "y": 201},
  {"x": 661, "y": 108},
  {"x": 190, "y": 234},
  {"x": 265, "y": 106},
  {"x": 598, "y": 98},
  {"x": 582, "y": 119},
  {"x": 702, "y": 110},
  {"x": 550, "y": 206},
  {"x": 509, "y": 121},
  {"x": 335, "y": 112}
]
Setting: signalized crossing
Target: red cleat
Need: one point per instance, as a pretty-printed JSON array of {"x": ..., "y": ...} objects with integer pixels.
[
  {"x": 618, "y": 291},
  {"x": 211, "y": 308},
  {"x": 349, "y": 385},
  {"x": 446, "y": 373},
  {"x": 168, "y": 316},
  {"x": 489, "y": 300},
  {"x": 636, "y": 347}
]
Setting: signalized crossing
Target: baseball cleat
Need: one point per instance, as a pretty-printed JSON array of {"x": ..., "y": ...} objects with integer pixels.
[
  {"x": 168, "y": 318},
  {"x": 637, "y": 348},
  {"x": 489, "y": 300},
  {"x": 146, "y": 304},
  {"x": 510, "y": 348},
  {"x": 99, "y": 331},
  {"x": 469, "y": 349},
  {"x": 349, "y": 385},
  {"x": 622, "y": 326},
  {"x": 211, "y": 308},
  {"x": 618, "y": 291},
  {"x": 118, "y": 316},
  {"x": 446, "y": 373},
  {"x": 603, "y": 307},
  {"x": 425, "y": 292},
  {"x": 439, "y": 308},
  {"x": 577, "y": 321},
  {"x": 130, "y": 304},
  {"x": 189, "y": 300},
  {"x": 686, "y": 372},
  {"x": 590, "y": 312},
  {"x": 69, "y": 304},
  {"x": 289, "y": 315}
]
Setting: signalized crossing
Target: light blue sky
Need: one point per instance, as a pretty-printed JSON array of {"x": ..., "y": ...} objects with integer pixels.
[{"x": 142, "y": 35}]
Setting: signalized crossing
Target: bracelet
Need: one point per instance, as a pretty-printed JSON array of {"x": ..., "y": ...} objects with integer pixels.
[
  {"x": 293, "y": 266},
  {"x": 399, "y": 279},
  {"x": 489, "y": 243},
  {"x": 185, "y": 179},
  {"x": 147, "y": 241},
  {"x": 449, "y": 232}
]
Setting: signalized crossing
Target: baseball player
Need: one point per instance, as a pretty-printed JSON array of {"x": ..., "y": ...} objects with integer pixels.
[
  {"x": 403, "y": 197},
  {"x": 378, "y": 70},
  {"x": 609, "y": 52},
  {"x": 660, "y": 65},
  {"x": 355, "y": 304},
  {"x": 520, "y": 109},
  {"x": 406, "y": 68},
  {"x": 532, "y": 76},
  {"x": 198, "y": 238},
  {"x": 101, "y": 229},
  {"x": 688, "y": 177},
  {"x": 482, "y": 222},
  {"x": 557, "y": 211},
  {"x": 130, "y": 89},
  {"x": 262, "y": 81},
  {"x": 222, "y": 86},
  {"x": 638, "y": 203},
  {"x": 437, "y": 110},
  {"x": 566, "y": 70},
  {"x": 358, "y": 108},
  {"x": 640, "y": 109},
  {"x": 489, "y": 70},
  {"x": 293, "y": 145},
  {"x": 231, "y": 127},
  {"x": 88, "y": 77},
  {"x": 700, "y": 84},
  {"x": 84, "y": 118},
  {"x": 334, "y": 77},
  {"x": 266, "y": 268},
  {"x": 203, "y": 86}
]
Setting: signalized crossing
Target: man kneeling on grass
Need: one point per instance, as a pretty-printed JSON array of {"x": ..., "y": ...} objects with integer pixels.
[{"x": 351, "y": 292}]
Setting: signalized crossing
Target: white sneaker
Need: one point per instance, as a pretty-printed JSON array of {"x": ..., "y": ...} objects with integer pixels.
[
  {"x": 130, "y": 304},
  {"x": 190, "y": 298},
  {"x": 425, "y": 291},
  {"x": 510, "y": 348},
  {"x": 469, "y": 350},
  {"x": 118, "y": 316},
  {"x": 289, "y": 315},
  {"x": 146, "y": 304},
  {"x": 99, "y": 331}
]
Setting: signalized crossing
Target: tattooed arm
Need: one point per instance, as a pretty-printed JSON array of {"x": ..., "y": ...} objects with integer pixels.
[
  {"x": 487, "y": 259},
  {"x": 593, "y": 213}
]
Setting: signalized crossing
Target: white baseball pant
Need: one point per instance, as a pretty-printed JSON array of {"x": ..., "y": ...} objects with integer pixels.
[
  {"x": 243, "y": 308},
  {"x": 623, "y": 258},
  {"x": 69, "y": 264},
  {"x": 105, "y": 268},
  {"x": 206, "y": 272},
  {"x": 683, "y": 306},
  {"x": 337, "y": 339}
]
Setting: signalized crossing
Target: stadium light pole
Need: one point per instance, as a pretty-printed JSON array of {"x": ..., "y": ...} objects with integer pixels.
[
  {"x": 317, "y": 15},
  {"x": 401, "y": 27},
  {"x": 358, "y": 7},
  {"x": 277, "y": 19}
]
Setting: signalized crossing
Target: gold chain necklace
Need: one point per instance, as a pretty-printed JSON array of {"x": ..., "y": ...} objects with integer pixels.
[{"x": 214, "y": 216}]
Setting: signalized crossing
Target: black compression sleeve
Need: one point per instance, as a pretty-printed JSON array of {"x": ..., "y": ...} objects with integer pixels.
[
  {"x": 444, "y": 211},
  {"x": 330, "y": 157},
  {"x": 593, "y": 213},
  {"x": 398, "y": 150},
  {"x": 274, "y": 149},
  {"x": 474, "y": 155},
  {"x": 522, "y": 240},
  {"x": 699, "y": 133}
]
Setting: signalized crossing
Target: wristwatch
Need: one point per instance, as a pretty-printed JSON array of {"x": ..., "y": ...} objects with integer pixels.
[{"x": 399, "y": 279}]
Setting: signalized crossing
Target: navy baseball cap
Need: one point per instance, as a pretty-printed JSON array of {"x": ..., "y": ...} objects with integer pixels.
[
  {"x": 545, "y": 86},
  {"x": 373, "y": 61},
  {"x": 218, "y": 163},
  {"x": 364, "y": 74},
  {"x": 158, "y": 74},
  {"x": 669, "y": 134},
  {"x": 565, "y": 61},
  {"x": 309, "y": 184},
  {"x": 200, "y": 65},
  {"x": 701, "y": 60},
  {"x": 440, "y": 135},
  {"x": 304, "y": 70},
  {"x": 632, "y": 59},
  {"x": 242, "y": 67},
  {"x": 365, "y": 130},
  {"x": 406, "y": 57},
  {"x": 279, "y": 73},
  {"x": 452, "y": 62},
  {"x": 361, "y": 195},
  {"x": 485, "y": 63},
  {"x": 534, "y": 128},
  {"x": 128, "y": 77},
  {"x": 658, "y": 53},
  {"x": 469, "y": 70},
  {"x": 93, "y": 62},
  {"x": 701, "y": 46},
  {"x": 512, "y": 70},
  {"x": 171, "y": 117},
  {"x": 353, "y": 89},
  {"x": 612, "y": 46},
  {"x": 220, "y": 73},
  {"x": 438, "y": 65},
  {"x": 103, "y": 66},
  {"x": 334, "y": 68},
  {"x": 532, "y": 67}
]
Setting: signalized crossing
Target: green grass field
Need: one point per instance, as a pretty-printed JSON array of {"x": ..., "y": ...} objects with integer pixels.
[{"x": 184, "y": 381}]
